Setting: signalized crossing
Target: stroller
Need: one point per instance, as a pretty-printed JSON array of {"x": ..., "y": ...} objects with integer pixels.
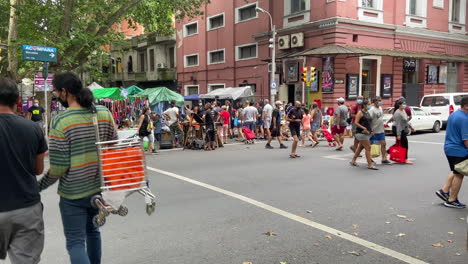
[
  {"x": 328, "y": 136},
  {"x": 249, "y": 135}
]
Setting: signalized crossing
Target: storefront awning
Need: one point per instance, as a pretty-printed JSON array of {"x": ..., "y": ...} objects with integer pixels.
[{"x": 336, "y": 50}]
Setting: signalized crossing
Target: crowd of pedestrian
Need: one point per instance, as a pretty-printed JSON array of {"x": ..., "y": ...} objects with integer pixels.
[{"x": 74, "y": 159}]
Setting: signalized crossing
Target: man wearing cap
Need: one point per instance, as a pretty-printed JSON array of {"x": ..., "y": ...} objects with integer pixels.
[{"x": 339, "y": 123}]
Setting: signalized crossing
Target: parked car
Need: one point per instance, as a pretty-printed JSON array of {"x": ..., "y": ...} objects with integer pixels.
[
  {"x": 421, "y": 120},
  {"x": 442, "y": 104}
]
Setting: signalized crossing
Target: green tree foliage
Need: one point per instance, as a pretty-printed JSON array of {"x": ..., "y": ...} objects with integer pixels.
[{"x": 79, "y": 28}]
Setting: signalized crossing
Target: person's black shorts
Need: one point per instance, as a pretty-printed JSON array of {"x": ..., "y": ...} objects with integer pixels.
[
  {"x": 210, "y": 135},
  {"x": 275, "y": 132},
  {"x": 295, "y": 130},
  {"x": 454, "y": 161}
]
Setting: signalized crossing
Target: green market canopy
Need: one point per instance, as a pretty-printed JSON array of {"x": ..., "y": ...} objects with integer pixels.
[
  {"x": 161, "y": 94},
  {"x": 131, "y": 91},
  {"x": 108, "y": 93}
]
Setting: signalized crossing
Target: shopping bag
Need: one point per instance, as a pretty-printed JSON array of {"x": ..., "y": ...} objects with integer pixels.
[
  {"x": 375, "y": 150},
  {"x": 462, "y": 167},
  {"x": 397, "y": 153}
]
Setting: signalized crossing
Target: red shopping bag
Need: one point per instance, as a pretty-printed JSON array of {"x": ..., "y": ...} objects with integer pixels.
[{"x": 397, "y": 153}]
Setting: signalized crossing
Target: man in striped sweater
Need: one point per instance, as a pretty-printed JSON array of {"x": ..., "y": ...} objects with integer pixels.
[{"x": 74, "y": 160}]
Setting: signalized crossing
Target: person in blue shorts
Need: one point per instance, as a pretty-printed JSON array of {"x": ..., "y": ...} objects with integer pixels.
[
  {"x": 378, "y": 136},
  {"x": 456, "y": 150}
]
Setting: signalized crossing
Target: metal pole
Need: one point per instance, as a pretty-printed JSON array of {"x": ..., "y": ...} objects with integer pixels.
[
  {"x": 273, "y": 65},
  {"x": 44, "y": 75}
]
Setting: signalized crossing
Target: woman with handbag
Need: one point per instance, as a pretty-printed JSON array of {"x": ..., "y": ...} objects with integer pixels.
[
  {"x": 145, "y": 128},
  {"x": 363, "y": 135},
  {"x": 401, "y": 127}
]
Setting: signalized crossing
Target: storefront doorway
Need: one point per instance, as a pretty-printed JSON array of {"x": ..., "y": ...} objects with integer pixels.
[
  {"x": 410, "y": 81},
  {"x": 370, "y": 76}
]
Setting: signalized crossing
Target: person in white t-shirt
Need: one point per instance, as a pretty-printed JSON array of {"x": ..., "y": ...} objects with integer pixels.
[
  {"x": 267, "y": 117},
  {"x": 250, "y": 114},
  {"x": 172, "y": 120}
]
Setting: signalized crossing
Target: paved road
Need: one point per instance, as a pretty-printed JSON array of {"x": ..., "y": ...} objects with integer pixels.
[{"x": 215, "y": 207}]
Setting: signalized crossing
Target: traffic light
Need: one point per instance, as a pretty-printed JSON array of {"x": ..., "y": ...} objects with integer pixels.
[
  {"x": 313, "y": 74},
  {"x": 304, "y": 74}
]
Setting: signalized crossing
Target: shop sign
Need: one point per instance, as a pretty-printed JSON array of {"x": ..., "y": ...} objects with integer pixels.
[
  {"x": 328, "y": 81},
  {"x": 387, "y": 85},
  {"x": 352, "y": 84},
  {"x": 409, "y": 65}
]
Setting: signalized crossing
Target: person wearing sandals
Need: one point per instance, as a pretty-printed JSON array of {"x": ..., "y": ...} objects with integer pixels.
[
  {"x": 295, "y": 118},
  {"x": 316, "y": 115},
  {"x": 363, "y": 123},
  {"x": 401, "y": 125},
  {"x": 378, "y": 135}
]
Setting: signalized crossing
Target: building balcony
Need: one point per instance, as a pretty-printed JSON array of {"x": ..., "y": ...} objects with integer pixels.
[{"x": 141, "y": 77}]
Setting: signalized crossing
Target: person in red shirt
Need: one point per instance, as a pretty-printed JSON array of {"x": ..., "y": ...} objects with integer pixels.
[{"x": 225, "y": 118}]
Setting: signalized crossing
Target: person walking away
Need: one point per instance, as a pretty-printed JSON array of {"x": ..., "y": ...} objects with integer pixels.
[
  {"x": 267, "y": 118},
  {"x": 23, "y": 148},
  {"x": 401, "y": 126},
  {"x": 74, "y": 161},
  {"x": 260, "y": 133},
  {"x": 316, "y": 122},
  {"x": 157, "y": 130},
  {"x": 172, "y": 119},
  {"x": 295, "y": 118},
  {"x": 226, "y": 117},
  {"x": 237, "y": 123},
  {"x": 209, "y": 118},
  {"x": 363, "y": 122},
  {"x": 456, "y": 150},
  {"x": 339, "y": 123},
  {"x": 378, "y": 131},
  {"x": 145, "y": 128},
  {"x": 250, "y": 114},
  {"x": 37, "y": 114},
  {"x": 306, "y": 126},
  {"x": 355, "y": 109},
  {"x": 276, "y": 127}
]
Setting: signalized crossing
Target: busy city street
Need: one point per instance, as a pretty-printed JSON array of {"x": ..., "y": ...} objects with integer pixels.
[{"x": 245, "y": 203}]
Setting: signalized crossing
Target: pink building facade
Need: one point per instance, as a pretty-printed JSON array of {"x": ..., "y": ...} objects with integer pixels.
[{"x": 358, "y": 47}]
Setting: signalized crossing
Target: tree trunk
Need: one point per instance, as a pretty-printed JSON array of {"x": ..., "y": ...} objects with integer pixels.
[{"x": 12, "y": 69}]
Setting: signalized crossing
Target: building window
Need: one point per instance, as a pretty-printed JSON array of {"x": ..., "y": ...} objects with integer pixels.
[
  {"x": 298, "y": 6},
  {"x": 456, "y": 10},
  {"x": 191, "y": 60},
  {"x": 246, "y": 52},
  {"x": 119, "y": 65},
  {"x": 151, "y": 59},
  {"x": 413, "y": 7},
  {"x": 142, "y": 62},
  {"x": 172, "y": 57},
  {"x": 215, "y": 22},
  {"x": 368, "y": 3},
  {"x": 246, "y": 13},
  {"x": 130, "y": 64},
  {"x": 212, "y": 87},
  {"x": 191, "y": 29},
  {"x": 191, "y": 89},
  {"x": 216, "y": 56}
]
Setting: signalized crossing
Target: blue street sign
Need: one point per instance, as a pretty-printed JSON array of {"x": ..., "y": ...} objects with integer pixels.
[{"x": 37, "y": 53}]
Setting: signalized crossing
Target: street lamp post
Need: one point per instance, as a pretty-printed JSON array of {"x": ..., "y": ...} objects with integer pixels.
[{"x": 273, "y": 56}]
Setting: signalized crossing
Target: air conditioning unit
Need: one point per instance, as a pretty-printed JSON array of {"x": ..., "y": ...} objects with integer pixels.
[
  {"x": 297, "y": 40},
  {"x": 161, "y": 65},
  {"x": 283, "y": 42}
]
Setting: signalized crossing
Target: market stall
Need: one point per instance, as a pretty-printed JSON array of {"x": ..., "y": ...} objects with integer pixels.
[
  {"x": 232, "y": 93},
  {"x": 159, "y": 100}
]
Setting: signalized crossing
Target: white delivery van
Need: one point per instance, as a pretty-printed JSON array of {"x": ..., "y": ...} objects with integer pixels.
[{"x": 442, "y": 104}]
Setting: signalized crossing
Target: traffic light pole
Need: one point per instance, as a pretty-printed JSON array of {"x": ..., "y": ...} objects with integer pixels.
[{"x": 273, "y": 65}]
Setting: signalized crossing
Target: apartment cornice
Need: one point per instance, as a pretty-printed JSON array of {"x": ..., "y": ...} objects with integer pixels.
[{"x": 347, "y": 23}]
